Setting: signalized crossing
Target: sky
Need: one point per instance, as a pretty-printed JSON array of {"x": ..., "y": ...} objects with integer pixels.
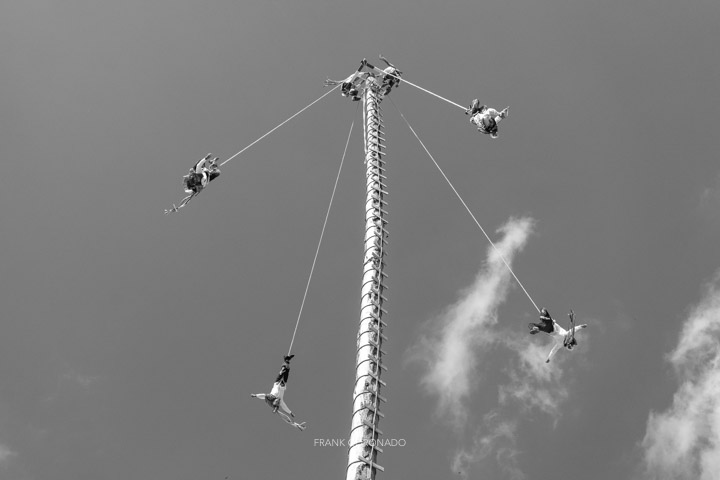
[{"x": 130, "y": 341}]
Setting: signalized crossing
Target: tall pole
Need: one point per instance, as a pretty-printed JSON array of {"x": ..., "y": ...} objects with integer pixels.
[{"x": 364, "y": 433}]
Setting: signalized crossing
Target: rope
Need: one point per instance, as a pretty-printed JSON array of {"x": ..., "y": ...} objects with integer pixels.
[
  {"x": 423, "y": 89},
  {"x": 283, "y": 123},
  {"x": 466, "y": 207},
  {"x": 322, "y": 232}
]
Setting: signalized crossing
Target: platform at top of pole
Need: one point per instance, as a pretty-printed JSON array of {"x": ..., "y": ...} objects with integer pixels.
[{"x": 381, "y": 78}]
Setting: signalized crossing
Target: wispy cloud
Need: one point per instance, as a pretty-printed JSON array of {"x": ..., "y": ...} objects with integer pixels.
[
  {"x": 81, "y": 379},
  {"x": 5, "y": 454},
  {"x": 449, "y": 350},
  {"x": 710, "y": 196},
  {"x": 68, "y": 382},
  {"x": 533, "y": 383},
  {"x": 497, "y": 438},
  {"x": 684, "y": 441},
  {"x": 459, "y": 341}
]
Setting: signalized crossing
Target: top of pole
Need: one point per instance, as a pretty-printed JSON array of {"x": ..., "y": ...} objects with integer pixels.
[{"x": 368, "y": 75}]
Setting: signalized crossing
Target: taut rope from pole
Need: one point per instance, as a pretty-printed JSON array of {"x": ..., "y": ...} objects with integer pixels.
[
  {"x": 283, "y": 123},
  {"x": 402, "y": 79},
  {"x": 322, "y": 232},
  {"x": 466, "y": 207}
]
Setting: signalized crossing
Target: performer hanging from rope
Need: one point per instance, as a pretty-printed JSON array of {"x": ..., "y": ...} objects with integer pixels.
[
  {"x": 561, "y": 337},
  {"x": 350, "y": 86},
  {"x": 486, "y": 118},
  {"x": 284, "y": 373},
  {"x": 275, "y": 399},
  {"x": 199, "y": 176},
  {"x": 547, "y": 324}
]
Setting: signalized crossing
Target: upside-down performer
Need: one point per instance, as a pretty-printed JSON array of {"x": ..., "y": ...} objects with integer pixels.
[
  {"x": 199, "y": 176},
  {"x": 486, "y": 118},
  {"x": 275, "y": 399},
  {"x": 561, "y": 337}
]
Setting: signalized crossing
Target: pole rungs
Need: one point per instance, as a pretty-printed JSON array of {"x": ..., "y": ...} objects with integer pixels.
[
  {"x": 373, "y": 427},
  {"x": 377, "y": 362},
  {"x": 376, "y": 448},
  {"x": 382, "y": 352},
  {"x": 370, "y": 463},
  {"x": 368, "y": 364},
  {"x": 378, "y": 319},
  {"x": 375, "y": 411},
  {"x": 379, "y": 175},
  {"x": 377, "y": 190},
  {"x": 375, "y": 200},
  {"x": 372, "y": 260},
  {"x": 382, "y": 335},
  {"x": 375, "y": 306},
  {"x": 382, "y": 298},
  {"x": 375, "y": 317}
]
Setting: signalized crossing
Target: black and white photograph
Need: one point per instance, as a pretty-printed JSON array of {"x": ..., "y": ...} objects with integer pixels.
[{"x": 315, "y": 239}]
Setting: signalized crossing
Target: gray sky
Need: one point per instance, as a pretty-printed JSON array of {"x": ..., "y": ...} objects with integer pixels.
[{"x": 130, "y": 341}]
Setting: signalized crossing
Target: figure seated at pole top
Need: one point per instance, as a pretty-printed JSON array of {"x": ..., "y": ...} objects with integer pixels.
[
  {"x": 384, "y": 80},
  {"x": 351, "y": 86},
  {"x": 391, "y": 77}
]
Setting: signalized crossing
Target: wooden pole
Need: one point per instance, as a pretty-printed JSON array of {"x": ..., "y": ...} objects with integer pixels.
[{"x": 364, "y": 432}]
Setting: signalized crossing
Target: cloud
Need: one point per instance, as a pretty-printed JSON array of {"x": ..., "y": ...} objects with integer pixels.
[
  {"x": 68, "y": 382},
  {"x": 450, "y": 350},
  {"x": 83, "y": 380},
  {"x": 500, "y": 442},
  {"x": 5, "y": 454},
  {"x": 457, "y": 343},
  {"x": 710, "y": 196},
  {"x": 709, "y": 205},
  {"x": 533, "y": 383},
  {"x": 684, "y": 441}
]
